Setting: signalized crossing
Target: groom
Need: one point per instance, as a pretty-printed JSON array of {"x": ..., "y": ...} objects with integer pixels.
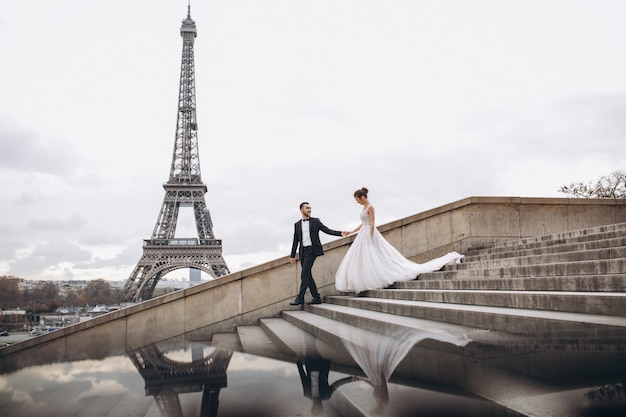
[{"x": 306, "y": 239}]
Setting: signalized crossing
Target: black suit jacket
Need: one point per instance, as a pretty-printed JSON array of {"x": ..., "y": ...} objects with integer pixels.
[{"x": 315, "y": 226}]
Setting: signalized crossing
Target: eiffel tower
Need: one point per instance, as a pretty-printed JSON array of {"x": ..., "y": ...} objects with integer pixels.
[
  {"x": 166, "y": 379},
  {"x": 162, "y": 253}
]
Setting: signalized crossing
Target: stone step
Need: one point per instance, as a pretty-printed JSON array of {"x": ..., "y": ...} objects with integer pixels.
[
  {"x": 284, "y": 335},
  {"x": 608, "y": 303},
  {"x": 381, "y": 322},
  {"x": 603, "y": 283},
  {"x": 614, "y": 252},
  {"x": 294, "y": 342},
  {"x": 328, "y": 321},
  {"x": 354, "y": 401},
  {"x": 256, "y": 342},
  {"x": 229, "y": 341},
  {"x": 510, "y": 320},
  {"x": 486, "y": 254},
  {"x": 331, "y": 323},
  {"x": 337, "y": 334},
  {"x": 387, "y": 337},
  {"x": 584, "y": 235},
  {"x": 597, "y": 267},
  {"x": 485, "y": 343}
]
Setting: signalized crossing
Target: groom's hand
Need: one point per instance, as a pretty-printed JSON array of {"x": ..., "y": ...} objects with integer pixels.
[{"x": 292, "y": 261}]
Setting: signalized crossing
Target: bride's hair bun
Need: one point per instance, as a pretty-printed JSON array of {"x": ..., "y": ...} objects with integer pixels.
[{"x": 361, "y": 192}]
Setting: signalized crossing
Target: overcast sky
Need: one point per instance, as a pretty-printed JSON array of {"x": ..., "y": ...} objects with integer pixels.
[{"x": 423, "y": 102}]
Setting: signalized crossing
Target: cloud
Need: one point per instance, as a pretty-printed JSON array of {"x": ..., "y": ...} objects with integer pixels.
[
  {"x": 121, "y": 260},
  {"x": 50, "y": 257},
  {"x": 74, "y": 221},
  {"x": 26, "y": 198},
  {"x": 24, "y": 150}
]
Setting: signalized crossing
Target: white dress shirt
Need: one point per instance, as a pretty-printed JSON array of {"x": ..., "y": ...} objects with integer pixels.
[{"x": 306, "y": 235}]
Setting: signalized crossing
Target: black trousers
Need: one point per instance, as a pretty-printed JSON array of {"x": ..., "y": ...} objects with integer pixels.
[{"x": 307, "y": 258}]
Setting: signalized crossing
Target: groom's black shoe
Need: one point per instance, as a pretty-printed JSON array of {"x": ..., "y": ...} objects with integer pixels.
[
  {"x": 296, "y": 303},
  {"x": 316, "y": 301}
]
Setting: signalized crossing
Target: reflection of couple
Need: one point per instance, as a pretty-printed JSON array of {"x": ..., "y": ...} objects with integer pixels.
[
  {"x": 370, "y": 263},
  {"x": 314, "y": 377},
  {"x": 314, "y": 369},
  {"x": 377, "y": 354}
]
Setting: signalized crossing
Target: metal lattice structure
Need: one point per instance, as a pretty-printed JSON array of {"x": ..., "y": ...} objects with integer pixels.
[
  {"x": 165, "y": 379},
  {"x": 163, "y": 253}
]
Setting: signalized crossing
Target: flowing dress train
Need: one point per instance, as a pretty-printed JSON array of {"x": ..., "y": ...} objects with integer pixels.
[{"x": 371, "y": 262}]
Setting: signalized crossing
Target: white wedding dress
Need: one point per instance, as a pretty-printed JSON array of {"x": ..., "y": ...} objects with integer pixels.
[{"x": 372, "y": 262}]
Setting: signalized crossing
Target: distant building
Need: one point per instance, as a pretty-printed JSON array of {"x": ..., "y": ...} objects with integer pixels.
[
  {"x": 15, "y": 312},
  {"x": 195, "y": 275},
  {"x": 99, "y": 309}
]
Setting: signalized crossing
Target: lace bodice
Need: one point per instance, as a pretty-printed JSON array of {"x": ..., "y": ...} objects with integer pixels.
[{"x": 365, "y": 218}]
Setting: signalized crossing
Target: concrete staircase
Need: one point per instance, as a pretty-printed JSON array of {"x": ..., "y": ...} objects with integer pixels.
[{"x": 529, "y": 325}]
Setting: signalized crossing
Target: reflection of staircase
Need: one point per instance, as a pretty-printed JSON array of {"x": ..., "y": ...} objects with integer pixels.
[{"x": 546, "y": 317}]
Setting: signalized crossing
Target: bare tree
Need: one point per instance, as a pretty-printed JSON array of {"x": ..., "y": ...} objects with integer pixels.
[
  {"x": 607, "y": 186},
  {"x": 99, "y": 291},
  {"x": 10, "y": 294},
  {"x": 45, "y": 296}
]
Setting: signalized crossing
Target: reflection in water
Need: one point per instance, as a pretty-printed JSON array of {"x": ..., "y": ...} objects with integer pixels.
[
  {"x": 66, "y": 389},
  {"x": 314, "y": 377},
  {"x": 580, "y": 369},
  {"x": 168, "y": 384},
  {"x": 607, "y": 400},
  {"x": 609, "y": 392},
  {"x": 379, "y": 353},
  {"x": 375, "y": 354},
  {"x": 314, "y": 371},
  {"x": 166, "y": 378}
]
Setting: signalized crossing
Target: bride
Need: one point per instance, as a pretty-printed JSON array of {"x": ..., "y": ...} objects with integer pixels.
[{"x": 371, "y": 262}]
